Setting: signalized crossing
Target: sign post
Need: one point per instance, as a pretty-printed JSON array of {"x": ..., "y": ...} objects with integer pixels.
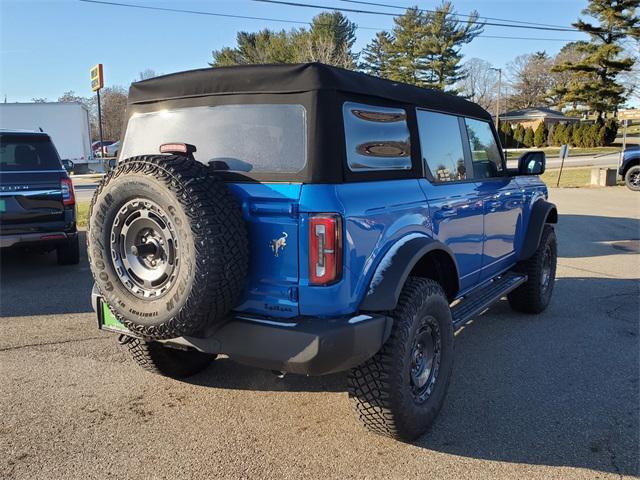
[
  {"x": 564, "y": 153},
  {"x": 625, "y": 116},
  {"x": 97, "y": 82}
]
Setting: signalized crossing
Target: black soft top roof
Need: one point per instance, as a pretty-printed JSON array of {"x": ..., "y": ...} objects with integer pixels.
[{"x": 293, "y": 78}]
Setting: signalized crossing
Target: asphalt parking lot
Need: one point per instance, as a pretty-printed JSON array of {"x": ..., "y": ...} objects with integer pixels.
[{"x": 552, "y": 396}]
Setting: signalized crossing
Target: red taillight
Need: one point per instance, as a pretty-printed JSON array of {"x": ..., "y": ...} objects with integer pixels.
[
  {"x": 325, "y": 248},
  {"x": 68, "y": 195}
]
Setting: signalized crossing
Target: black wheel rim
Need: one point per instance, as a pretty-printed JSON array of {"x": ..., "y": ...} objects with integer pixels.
[
  {"x": 546, "y": 276},
  {"x": 425, "y": 359},
  {"x": 144, "y": 248}
]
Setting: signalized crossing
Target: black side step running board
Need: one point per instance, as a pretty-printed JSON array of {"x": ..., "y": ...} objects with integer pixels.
[{"x": 478, "y": 300}]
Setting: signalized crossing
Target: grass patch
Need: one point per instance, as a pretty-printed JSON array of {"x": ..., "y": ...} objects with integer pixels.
[
  {"x": 82, "y": 217},
  {"x": 571, "y": 177}
]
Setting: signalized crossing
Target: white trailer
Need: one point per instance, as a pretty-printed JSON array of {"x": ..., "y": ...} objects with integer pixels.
[{"x": 67, "y": 123}]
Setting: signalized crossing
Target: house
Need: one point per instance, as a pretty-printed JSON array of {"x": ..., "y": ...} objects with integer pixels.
[{"x": 532, "y": 117}]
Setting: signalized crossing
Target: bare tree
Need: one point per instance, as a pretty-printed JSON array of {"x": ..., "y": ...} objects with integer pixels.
[
  {"x": 531, "y": 81},
  {"x": 631, "y": 79},
  {"x": 146, "y": 74},
  {"x": 113, "y": 104},
  {"x": 480, "y": 84},
  {"x": 39, "y": 100},
  {"x": 323, "y": 49}
]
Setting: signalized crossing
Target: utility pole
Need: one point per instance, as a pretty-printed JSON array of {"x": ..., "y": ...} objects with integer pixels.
[{"x": 499, "y": 70}]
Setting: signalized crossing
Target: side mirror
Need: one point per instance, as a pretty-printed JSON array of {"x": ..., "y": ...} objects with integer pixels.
[{"x": 532, "y": 163}]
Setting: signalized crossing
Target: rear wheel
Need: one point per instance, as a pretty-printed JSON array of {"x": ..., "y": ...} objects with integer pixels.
[
  {"x": 632, "y": 178},
  {"x": 169, "y": 362},
  {"x": 534, "y": 295},
  {"x": 69, "y": 253},
  {"x": 399, "y": 392}
]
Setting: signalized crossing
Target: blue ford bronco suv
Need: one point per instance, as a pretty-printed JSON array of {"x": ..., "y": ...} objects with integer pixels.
[{"x": 308, "y": 219}]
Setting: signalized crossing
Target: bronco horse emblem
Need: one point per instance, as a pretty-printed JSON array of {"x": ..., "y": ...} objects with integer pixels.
[{"x": 279, "y": 243}]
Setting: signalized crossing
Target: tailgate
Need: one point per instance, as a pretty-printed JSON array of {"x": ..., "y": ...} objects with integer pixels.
[
  {"x": 271, "y": 213},
  {"x": 28, "y": 197}
]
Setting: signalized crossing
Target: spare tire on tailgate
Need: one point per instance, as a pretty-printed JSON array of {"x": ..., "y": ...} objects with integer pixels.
[{"x": 167, "y": 245}]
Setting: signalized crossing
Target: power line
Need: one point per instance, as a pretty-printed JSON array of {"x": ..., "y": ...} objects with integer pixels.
[
  {"x": 246, "y": 17},
  {"x": 529, "y": 38},
  {"x": 375, "y": 4},
  {"x": 388, "y": 14},
  {"x": 195, "y": 12}
]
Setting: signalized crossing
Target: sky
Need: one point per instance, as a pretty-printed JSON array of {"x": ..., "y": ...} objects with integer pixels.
[{"x": 47, "y": 47}]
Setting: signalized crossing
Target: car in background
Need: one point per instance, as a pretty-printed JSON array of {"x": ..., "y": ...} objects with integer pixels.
[
  {"x": 629, "y": 168},
  {"x": 37, "y": 200},
  {"x": 112, "y": 150},
  {"x": 95, "y": 147}
]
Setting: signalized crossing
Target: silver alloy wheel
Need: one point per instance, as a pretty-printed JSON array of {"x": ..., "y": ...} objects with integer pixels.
[
  {"x": 144, "y": 247},
  {"x": 634, "y": 179},
  {"x": 545, "y": 278},
  {"x": 425, "y": 359}
]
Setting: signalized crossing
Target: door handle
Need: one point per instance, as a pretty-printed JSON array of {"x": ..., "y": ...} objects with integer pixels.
[{"x": 446, "y": 211}]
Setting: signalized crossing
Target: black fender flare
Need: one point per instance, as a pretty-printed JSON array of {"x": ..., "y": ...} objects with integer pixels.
[
  {"x": 542, "y": 212},
  {"x": 394, "y": 268}
]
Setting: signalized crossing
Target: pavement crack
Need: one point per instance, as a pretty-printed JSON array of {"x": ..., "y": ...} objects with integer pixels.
[
  {"x": 605, "y": 275},
  {"x": 60, "y": 342}
]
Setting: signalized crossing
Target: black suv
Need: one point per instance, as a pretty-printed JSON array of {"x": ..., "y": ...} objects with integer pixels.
[{"x": 37, "y": 202}]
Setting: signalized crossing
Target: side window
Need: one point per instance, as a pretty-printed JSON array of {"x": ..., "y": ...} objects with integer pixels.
[
  {"x": 485, "y": 153},
  {"x": 441, "y": 146},
  {"x": 377, "y": 138}
]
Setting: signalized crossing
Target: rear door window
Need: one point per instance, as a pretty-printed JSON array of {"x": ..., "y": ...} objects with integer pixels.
[
  {"x": 441, "y": 146},
  {"x": 377, "y": 138},
  {"x": 27, "y": 153},
  {"x": 485, "y": 153},
  {"x": 242, "y": 138}
]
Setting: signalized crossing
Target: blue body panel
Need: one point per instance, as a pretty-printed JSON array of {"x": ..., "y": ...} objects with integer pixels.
[
  {"x": 482, "y": 222},
  {"x": 270, "y": 211}
]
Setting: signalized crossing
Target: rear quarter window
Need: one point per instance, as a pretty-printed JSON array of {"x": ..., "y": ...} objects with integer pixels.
[
  {"x": 247, "y": 138},
  {"x": 377, "y": 138}
]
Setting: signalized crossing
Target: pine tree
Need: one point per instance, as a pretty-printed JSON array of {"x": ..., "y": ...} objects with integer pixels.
[
  {"x": 506, "y": 134},
  {"x": 376, "y": 55},
  {"x": 423, "y": 48},
  {"x": 602, "y": 136},
  {"x": 611, "y": 127},
  {"x": 444, "y": 37},
  {"x": 576, "y": 136},
  {"x": 558, "y": 134},
  {"x": 551, "y": 135},
  {"x": 567, "y": 139},
  {"x": 406, "y": 52},
  {"x": 540, "y": 136},
  {"x": 518, "y": 135},
  {"x": 528, "y": 137},
  {"x": 329, "y": 40},
  {"x": 594, "y": 82}
]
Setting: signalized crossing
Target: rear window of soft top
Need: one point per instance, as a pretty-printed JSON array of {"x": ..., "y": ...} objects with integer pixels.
[{"x": 239, "y": 138}]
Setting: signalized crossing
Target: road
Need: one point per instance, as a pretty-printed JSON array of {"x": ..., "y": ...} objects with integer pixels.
[
  {"x": 549, "y": 396},
  {"x": 610, "y": 160}
]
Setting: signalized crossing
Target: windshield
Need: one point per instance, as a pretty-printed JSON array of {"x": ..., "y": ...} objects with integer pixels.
[
  {"x": 241, "y": 138},
  {"x": 27, "y": 153}
]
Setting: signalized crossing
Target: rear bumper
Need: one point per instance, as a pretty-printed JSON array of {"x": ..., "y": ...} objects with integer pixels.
[
  {"x": 304, "y": 345},
  {"x": 41, "y": 238}
]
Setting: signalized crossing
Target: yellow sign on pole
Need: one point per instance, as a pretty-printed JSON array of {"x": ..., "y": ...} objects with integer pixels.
[
  {"x": 97, "y": 79},
  {"x": 630, "y": 114}
]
